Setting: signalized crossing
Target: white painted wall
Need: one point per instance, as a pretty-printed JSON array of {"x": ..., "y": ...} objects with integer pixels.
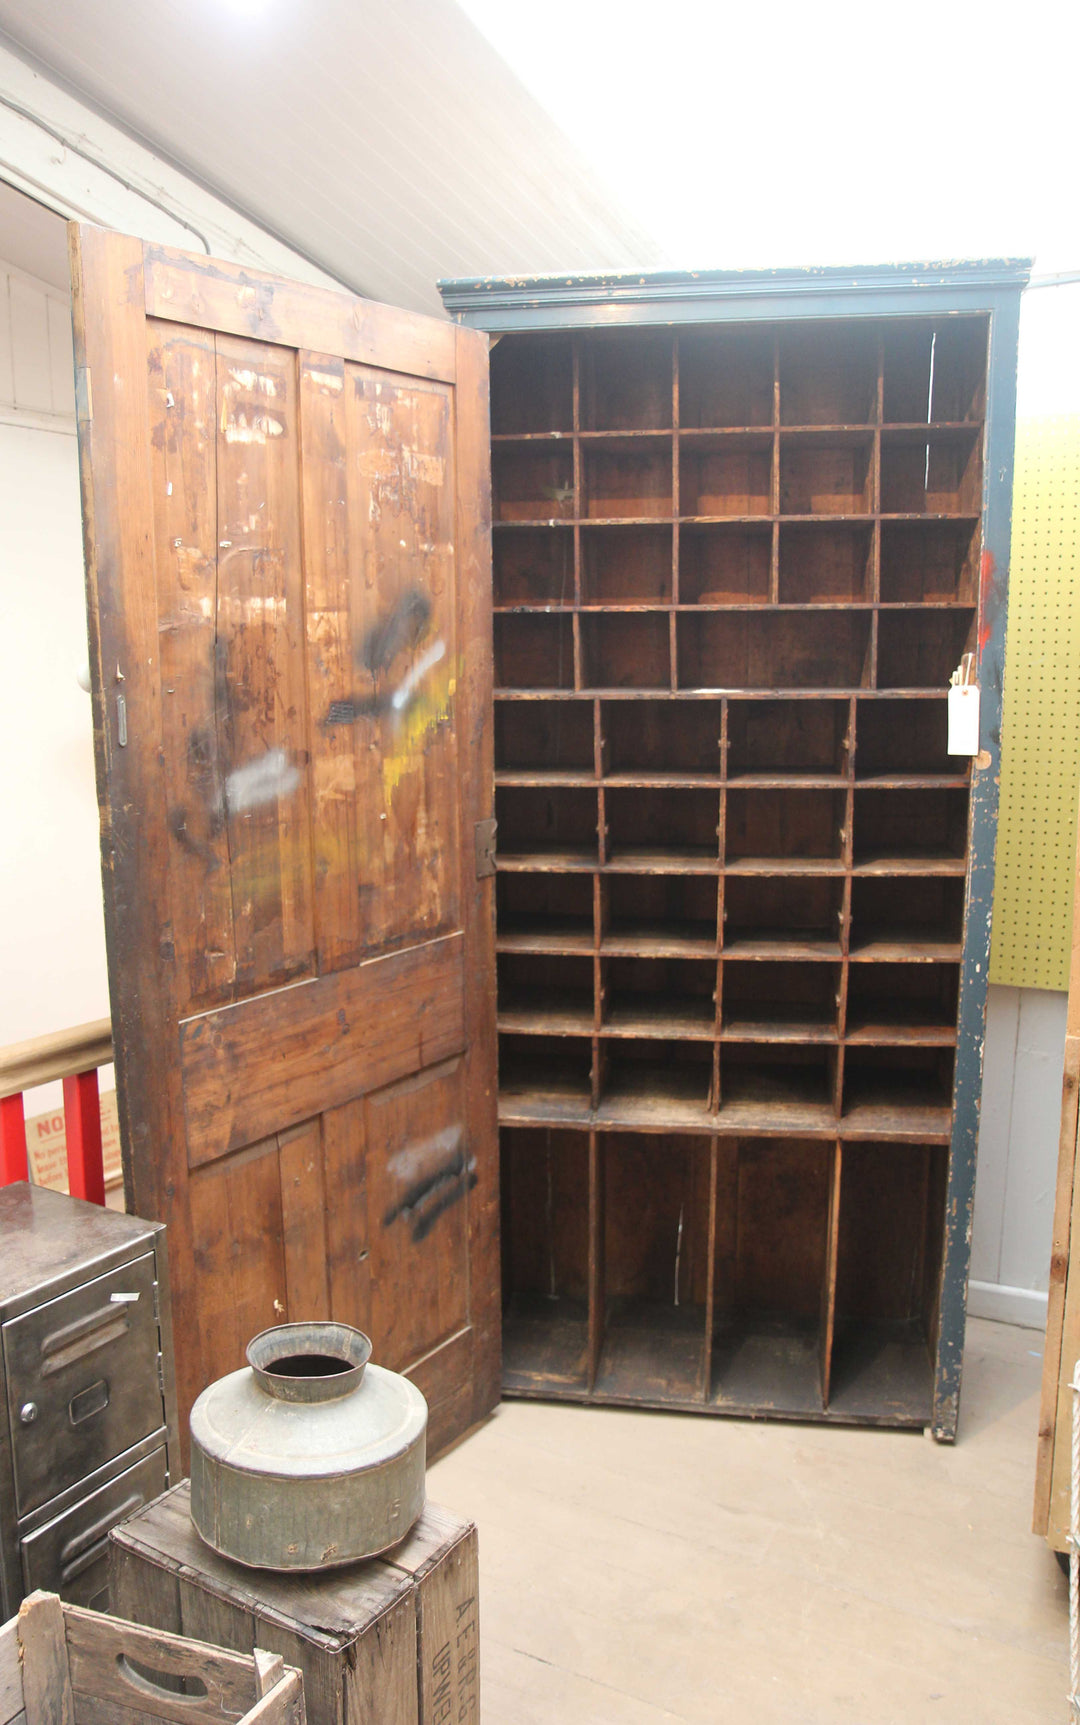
[
  {"x": 1018, "y": 1145},
  {"x": 74, "y": 164},
  {"x": 52, "y": 940}
]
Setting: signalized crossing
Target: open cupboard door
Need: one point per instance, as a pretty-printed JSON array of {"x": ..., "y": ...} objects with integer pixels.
[{"x": 286, "y": 512}]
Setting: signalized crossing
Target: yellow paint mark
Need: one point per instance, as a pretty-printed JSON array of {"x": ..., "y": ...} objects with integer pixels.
[{"x": 431, "y": 709}]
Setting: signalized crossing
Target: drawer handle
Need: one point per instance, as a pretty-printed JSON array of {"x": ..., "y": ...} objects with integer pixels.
[
  {"x": 89, "y": 1402},
  {"x": 74, "y": 1341},
  {"x": 93, "y": 1542}
]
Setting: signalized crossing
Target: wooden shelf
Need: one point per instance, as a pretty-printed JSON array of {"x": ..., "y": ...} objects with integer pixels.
[{"x": 735, "y": 567}]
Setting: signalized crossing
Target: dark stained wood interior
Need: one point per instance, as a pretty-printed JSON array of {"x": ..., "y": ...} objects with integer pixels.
[{"x": 735, "y": 568}]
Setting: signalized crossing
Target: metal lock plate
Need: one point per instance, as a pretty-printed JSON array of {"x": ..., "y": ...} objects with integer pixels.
[{"x": 485, "y": 849}]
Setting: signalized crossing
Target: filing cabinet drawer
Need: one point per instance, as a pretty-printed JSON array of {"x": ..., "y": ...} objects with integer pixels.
[
  {"x": 70, "y": 1555},
  {"x": 82, "y": 1381}
]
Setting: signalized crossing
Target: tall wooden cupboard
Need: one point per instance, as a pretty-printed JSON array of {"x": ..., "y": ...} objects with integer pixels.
[{"x": 745, "y": 528}]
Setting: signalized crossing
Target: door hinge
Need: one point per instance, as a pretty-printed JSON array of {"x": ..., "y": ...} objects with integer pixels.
[
  {"x": 161, "y": 1375},
  {"x": 485, "y": 849}
]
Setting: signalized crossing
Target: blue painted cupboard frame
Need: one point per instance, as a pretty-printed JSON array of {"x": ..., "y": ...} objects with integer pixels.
[{"x": 783, "y": 299}]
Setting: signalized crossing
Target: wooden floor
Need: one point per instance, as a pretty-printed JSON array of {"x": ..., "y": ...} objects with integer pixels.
[{"x": 639, "y": 1569}]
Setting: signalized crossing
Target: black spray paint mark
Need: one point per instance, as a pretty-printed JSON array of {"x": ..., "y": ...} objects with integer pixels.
[
  {"x": 428, "y": 1199},
  {"x": 403, "y": 628},
  {"x": 399, "y": 630}
]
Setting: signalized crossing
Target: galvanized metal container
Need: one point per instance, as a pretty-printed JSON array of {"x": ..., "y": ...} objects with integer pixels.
[{"x": 309, "y": 1457}]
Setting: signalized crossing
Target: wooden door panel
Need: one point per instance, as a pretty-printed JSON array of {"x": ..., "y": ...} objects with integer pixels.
[
  {"x": 239, "y": 1257},
  {"x": 289, "y": 587},
  {"x": 348, "y": 1259},
  {"x": 420, "y": 1171},
  {"x": 278, "y": 1058},
  {"x": 400, "y": 488},
  {"x": 304, "y": 1201},
  {"x": 183, "y": 463}
]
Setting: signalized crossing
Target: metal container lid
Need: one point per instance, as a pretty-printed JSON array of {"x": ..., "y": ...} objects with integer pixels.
[{"x": 310, "y": 1456}]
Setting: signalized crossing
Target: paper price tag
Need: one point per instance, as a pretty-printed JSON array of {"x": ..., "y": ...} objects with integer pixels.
[{"x": 964, "y": 719}]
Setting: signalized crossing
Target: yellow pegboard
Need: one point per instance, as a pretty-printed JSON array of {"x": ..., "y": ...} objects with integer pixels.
[{"x": 1036, "y": 848}]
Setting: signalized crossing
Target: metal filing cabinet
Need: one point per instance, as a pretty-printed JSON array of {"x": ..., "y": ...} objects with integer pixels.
[{"x": 88, "y": 1404}]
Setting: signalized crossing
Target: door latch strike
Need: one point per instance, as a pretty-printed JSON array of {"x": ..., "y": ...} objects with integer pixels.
[
  {"x": 485, "y": 849},
  {"x": 121, "y": 721}
]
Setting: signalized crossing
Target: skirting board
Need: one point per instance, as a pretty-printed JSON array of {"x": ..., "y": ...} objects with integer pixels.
[{"x": 1023, "y": 1306}]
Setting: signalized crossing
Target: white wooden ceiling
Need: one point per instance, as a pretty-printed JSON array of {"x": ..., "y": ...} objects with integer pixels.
[{"x": 383, "y": 139}]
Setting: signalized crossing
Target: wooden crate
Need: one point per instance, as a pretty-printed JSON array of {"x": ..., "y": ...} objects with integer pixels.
[
  {"x": 61, "y": 1665},
  {"x": 1052, "y": 1472},
  {"x": 394, "y": 1640}
]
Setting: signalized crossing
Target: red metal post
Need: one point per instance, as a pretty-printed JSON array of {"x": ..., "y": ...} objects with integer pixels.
[
  {"x": 82, "y": 1126},
  {"x": 13, "y": 1164}
]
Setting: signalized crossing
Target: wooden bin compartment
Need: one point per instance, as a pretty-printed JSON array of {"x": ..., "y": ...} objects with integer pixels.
[
  {"x": 548, "y": 737},
  {"x": 534, "y": 652},
  {"x": 826, "y": 473},
  {"x": 779, "y": 739},
  {"x": 888, "y": 1270},
  {"x": 626, "y": 478},
  {"x": 544, "y": 1076},
  {"x": 934, "y": 370},
  {"x": 725, "y": 473},
  {"x": 897, "y": 739},
  {"x": 782, "y": 917},
  {"x": 553, "y": 825},
  {"x": 823, "y": 563},
  {"x": 777, "y": 1086},
  {"x": 897, "y": 1089},
  {"x": 532, "y": 481},
  {"x": 654, "y": 1200},
  {"x": 533, "y": 566},
  {"x": 664, "y": 997},
  {"x": 780, "y": 1000},
  {"x": 783, "y": 828},
  {"x": 775, "y": 650},
  {"x": 654, "y": 1083},
  {"x": 541, "y": 912},
  {"x": 659, "y": 916},
  {"x": 771, "y": 1249},
  {"x": 902, "y": 1003},
  {"x": 828, "y": 375},
  {"x": 626, "y": 382},
  {"x": 625, "y": 565},
  {"x": 625, "y": 650},
  {"x": 532, "y": 387},
  {"x": 544, "y": 1176},
  {"x": 662, "y": 829},
  {"x": 648, "y": 740},
  {"x": 929, "y": 562},
  {"x": 917, "y": 829},
  {"x": 932, "y": 471},
  {"x": 906, "y": 918},
  {"x": 540, "y": 992},
  {"x": 724, "y": 563},
  {"x": 922, "y": 649},
  {"x": 726, "y": 378}
]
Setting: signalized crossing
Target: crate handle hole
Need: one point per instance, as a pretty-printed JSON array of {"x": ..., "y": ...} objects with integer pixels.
[{"x": 157, "y": 1682}]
